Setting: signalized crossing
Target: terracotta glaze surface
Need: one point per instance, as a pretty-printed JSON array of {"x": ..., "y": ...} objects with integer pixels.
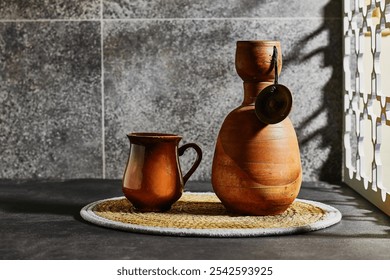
[
  {"x": 153, "y": 179},
  {"x": 256, "y": 167}
]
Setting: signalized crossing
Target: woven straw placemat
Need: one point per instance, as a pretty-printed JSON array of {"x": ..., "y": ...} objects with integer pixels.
[{"x": 202, "y": 214}]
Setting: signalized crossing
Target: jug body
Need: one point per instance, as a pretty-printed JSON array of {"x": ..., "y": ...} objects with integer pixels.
[{"x": 256, "y": 166}]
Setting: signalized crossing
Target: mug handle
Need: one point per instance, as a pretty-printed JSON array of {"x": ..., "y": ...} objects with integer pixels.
[{"x": 198, "y": 150}]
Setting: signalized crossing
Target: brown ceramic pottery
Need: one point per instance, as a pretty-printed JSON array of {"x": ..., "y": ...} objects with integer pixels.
[
  {"x": 256, "y": 167},
  {"x": 153, "y": 179}
]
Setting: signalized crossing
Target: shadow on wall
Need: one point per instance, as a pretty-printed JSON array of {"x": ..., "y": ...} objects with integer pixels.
[{"x": 331, "y": 135}]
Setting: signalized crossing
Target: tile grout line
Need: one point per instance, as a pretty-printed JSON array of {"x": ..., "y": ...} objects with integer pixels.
[
  {"x": 168, "y": 19},
  {"x": 102, "y": 92},
  {"x": 222, "y": 18},
  {"x": 47, "y": 20}
]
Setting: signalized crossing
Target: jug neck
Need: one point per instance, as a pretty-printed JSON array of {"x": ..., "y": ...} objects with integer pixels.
[{"x": 251, "y": 90}]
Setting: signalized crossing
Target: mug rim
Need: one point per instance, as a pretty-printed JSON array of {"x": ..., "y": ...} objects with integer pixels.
[
  {"x": 153, "y": 135},
  {"x": 259, "y": 42}
]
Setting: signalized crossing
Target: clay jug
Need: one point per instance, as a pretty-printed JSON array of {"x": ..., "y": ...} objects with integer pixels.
[{"x": 256, "y": 167}]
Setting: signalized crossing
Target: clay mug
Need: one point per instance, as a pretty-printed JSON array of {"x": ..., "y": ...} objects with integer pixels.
[{"x": 153, "y": 180}]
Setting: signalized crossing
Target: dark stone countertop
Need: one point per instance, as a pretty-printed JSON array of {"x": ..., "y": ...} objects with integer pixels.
[{"x": 41, "y": 220}]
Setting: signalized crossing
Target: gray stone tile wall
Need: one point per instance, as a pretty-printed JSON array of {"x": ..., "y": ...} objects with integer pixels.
[
  {"x": 168, "y": 67},
  {"x": 50, "y": 112},
  {"x": 50, "y": 9}
]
